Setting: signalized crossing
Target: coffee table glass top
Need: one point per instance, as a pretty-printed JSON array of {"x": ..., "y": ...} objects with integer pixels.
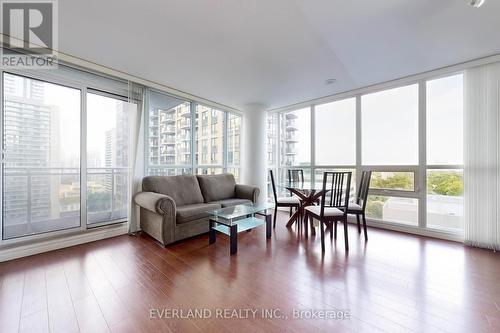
[{"x": 238, "y": 211}]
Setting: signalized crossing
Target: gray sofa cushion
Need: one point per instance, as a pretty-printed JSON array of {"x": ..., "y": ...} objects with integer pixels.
[
  {"x": 231, "y": 202},
  {"x": 217, "y": 187},
  {"x": 194, "y": 212},
  {"x": 184, "y": 189}
]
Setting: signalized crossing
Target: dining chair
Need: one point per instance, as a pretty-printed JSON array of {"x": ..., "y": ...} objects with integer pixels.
[
  {"x": 359, "y": 206},
  {"x": 333, "y": 208},
  {"x": 295, "y": 176},
  {"x": 292, "y": 202}
]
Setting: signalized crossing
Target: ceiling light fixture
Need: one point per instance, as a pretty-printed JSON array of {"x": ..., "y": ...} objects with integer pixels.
[
  {"x": 330, "y": 81},
  {"x": 476, "y": 3}
]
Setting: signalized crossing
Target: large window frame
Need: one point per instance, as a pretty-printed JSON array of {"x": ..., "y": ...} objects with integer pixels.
[
  {"x": 419, "y": 170},
  {"x": 84, "y": 83},
  {"x": 194, "y": 165}
]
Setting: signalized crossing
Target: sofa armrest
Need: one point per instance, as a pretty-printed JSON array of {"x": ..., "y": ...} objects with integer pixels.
[
  {"x": 247, "y": 192},
  {"x": 155, "y": 202}
]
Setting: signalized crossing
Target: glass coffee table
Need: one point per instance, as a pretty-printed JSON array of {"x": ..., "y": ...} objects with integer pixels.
[{"x": 236, "y": 219}]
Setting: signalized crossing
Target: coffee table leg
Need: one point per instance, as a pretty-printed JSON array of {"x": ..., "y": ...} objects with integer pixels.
[
  {"x": 233, "y": 234},
  {"x": 211, "y": 232},
  {"x": 268, "y": 226}
]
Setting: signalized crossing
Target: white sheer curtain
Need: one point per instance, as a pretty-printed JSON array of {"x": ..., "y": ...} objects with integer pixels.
[
  {"x": 136, "y": 94},
  {"x": 482, "y": 156}
]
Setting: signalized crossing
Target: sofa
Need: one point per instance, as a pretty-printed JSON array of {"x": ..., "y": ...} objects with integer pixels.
[{"x": 173, "y": 208}]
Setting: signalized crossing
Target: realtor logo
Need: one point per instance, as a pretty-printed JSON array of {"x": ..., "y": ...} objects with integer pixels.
[{"x": 29, "y": 32}]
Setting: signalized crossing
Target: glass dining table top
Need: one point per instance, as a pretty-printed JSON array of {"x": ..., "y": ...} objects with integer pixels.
[{"x": 301, "y": 186}]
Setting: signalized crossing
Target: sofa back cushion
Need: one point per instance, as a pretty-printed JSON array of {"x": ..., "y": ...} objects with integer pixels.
[
  {"x": 184, "y": 189},
  {"x": 217, "y": 187}
]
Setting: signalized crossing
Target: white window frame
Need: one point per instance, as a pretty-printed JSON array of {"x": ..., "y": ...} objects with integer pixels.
[
  {"x": 82, "y": 86},
  {"x": 419, "y": 170},
  {"x": 193, "y": 166}
]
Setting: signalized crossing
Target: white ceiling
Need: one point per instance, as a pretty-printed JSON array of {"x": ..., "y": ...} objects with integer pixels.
[{"x": 276, "y": 52}]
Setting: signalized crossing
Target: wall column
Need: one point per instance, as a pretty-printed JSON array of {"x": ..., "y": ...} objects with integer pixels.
[{"x": 254, "y": 148}]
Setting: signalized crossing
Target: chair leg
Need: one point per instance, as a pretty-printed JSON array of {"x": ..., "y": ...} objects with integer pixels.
[
  {"x": 335, "y": 229},
  {"x": 306, "y": 219},
  {"x": 364, "y": 227},
  {"x": 359, "y": 223},
  {"x": 313, "y": 229},
  {"x": 346, "y": 239},
  {"x": 322, "y": 236},
  {"x": 275, "y": 214},
  {"x": 331, "y": 230},
  {"x": 299, "y": 219},
  {"x": 290, "y": 211}
]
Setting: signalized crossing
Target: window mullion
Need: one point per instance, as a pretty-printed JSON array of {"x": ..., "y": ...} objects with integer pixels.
[
  {"x": 313, "y": 145},
  {"x": 193, "y": 137},
  {"x": 358, "y": 140},
  {"x": 422, "y": 140},
  {"x": 224, "y": 141},
  {"x": 83, "y": 159}
]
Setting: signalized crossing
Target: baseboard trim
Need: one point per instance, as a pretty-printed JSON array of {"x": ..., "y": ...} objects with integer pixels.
[{"x": 16, "y": 251}]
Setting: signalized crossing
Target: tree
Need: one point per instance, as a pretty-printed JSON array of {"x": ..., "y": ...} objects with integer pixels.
[
  {"x": 400, "y": 180},
  {"x": 445, "y": 183}
]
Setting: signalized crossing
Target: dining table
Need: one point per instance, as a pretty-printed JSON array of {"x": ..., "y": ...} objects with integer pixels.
[{"x": 308, "y": 194}]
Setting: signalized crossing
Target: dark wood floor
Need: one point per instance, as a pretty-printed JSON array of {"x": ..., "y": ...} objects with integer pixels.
[{"x": 393, "y": 283}]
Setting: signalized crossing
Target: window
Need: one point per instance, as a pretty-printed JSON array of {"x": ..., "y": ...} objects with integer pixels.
[
  {"x": 445, "y": 190},
  {"x": 318, "y": 173},
  {"x": 169, "y": 133},
  {"x": 404, "y": 189},
  {"x": 296, "y": 137},
  {"x": 233, "y": 144},
  {"x": 335, "y": 125},
  {"x": 445, "y": 121},
  {"x": 396, "y": 181},
  {"x": 41, "y": 142},
  {"x": 108, "y": 160},
  {"x": 215, "y": 150},
  {"x": 272, "y": 139},
  {"x": 390, "y": 127},
  {"x": 401, "y": 210},
  {"x": 444, "y": 176},
  {"x": 209, "y": 171}
]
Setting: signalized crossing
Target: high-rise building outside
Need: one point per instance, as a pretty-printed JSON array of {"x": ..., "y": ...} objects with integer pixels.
[{"x": 30, "y": 128}]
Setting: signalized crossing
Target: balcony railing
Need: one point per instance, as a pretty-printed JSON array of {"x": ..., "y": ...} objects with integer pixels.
[
  {"x": 167, "y": 129},
  {"x": 114, "y": 205},
  {"x": 167, "y": 118},
  {"x": 185, "y": 124},
  {"x": 47, "y": 199}
]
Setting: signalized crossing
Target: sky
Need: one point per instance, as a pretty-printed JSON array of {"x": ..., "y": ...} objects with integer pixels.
[{"x": 389, "y": 127}]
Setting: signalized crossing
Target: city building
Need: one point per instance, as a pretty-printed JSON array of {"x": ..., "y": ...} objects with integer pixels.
[{"x": 30, "y": 125}]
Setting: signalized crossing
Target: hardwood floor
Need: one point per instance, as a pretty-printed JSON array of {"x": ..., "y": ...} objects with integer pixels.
[{"x": 393, "y": 283}]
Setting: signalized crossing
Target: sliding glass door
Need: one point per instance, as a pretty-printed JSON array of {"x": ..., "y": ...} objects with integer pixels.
[
  {"x": 41, "y": 157},
  {"x": 65, "y": 146},
  {"x": 108, "y": 160}
]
